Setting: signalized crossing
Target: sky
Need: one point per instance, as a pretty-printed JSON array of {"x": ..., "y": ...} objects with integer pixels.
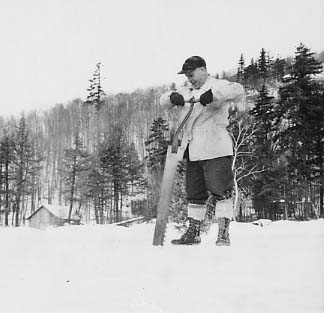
[{"x": 49, "y": 48}]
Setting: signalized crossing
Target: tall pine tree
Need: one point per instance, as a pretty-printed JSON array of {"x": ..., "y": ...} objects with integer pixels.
[
  {"x": 240, "y": 69},
  {"x": 263, "y": 65},
  {"x": 96, "y": 92},
  {"x": 266, "y": 184},
  {"x": 300, "y": 116}
]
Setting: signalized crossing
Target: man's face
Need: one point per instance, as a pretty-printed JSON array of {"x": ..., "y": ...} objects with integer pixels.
[{"x": 197, "y": 77}]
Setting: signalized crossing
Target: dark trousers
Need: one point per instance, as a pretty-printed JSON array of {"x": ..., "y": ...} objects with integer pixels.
[{"x": 214, "y": 176}]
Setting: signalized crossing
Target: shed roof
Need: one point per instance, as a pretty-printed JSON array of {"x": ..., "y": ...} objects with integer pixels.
[{"x": 59, "y": 211}]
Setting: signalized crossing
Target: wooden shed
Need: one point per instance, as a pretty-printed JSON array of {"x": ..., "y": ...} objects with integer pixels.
[{"x": 51, "y": 216}]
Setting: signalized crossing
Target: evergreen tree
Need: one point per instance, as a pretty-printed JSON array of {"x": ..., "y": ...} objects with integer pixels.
[
  {"x": 278, "y": 69},
  {"x": 96, "y": 93},
  {"x": 262, "y": 65},
  {"x": 240, "y": 70},
  {"x": 113, "y": 159},
  {"x": 266, "y": 183},
  {"x": 269, "y": 64},
  {"x": 299, "y": 117},
  {"x": 251, "y": 75},
  {"x": 263, "y": 119},
  {"x": 117, "y": 167},
  {"x": 157, "y": 144}
]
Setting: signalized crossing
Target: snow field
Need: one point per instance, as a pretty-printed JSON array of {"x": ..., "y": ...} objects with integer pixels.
[{"x": 108, "y": 268}]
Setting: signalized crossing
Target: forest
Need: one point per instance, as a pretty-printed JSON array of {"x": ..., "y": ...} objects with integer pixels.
[{"x": 103, "y": 156}]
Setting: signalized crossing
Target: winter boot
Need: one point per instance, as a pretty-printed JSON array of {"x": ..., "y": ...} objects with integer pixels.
[
  {"x": 191, "y": 236},
  {"x": 223, "y": 232},
  {"x": 210, "y": 215}
]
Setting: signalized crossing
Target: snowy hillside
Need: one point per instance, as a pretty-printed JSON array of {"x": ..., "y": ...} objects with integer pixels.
[{"x": 275, "y": 268}]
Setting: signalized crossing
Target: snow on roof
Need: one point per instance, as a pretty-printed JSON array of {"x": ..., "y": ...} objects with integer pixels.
[{"x": 59, "y": 211}]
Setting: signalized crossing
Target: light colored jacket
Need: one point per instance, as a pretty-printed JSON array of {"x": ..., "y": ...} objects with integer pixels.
[{"x": 205, "y": 131}]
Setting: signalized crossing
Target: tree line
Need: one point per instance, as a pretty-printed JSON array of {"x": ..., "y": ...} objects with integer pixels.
[
  {"x": 87, "y": 155},
  {"x": 287, "y": 142},
  {"x": 107, "y": 152}
]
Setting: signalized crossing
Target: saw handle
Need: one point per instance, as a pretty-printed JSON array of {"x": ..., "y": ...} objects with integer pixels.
[{"x": 174, "y": 148}]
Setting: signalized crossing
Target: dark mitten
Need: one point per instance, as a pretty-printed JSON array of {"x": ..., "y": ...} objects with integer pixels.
[
  {"x": 177, "y": 99},
  {"x": 206, "y": 97}
]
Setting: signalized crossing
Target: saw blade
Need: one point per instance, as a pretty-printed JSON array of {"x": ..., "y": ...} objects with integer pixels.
[{"x": 163, "y": 208}]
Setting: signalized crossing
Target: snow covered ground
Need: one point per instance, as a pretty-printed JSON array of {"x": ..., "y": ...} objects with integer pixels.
[{"x": 109, "y": 268}]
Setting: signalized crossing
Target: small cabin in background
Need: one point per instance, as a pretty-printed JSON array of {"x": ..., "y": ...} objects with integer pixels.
[{"x": 52, "y": 216}]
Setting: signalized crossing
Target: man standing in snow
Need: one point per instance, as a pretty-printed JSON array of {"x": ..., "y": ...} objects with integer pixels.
[{"x": 206, "y": 146}]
